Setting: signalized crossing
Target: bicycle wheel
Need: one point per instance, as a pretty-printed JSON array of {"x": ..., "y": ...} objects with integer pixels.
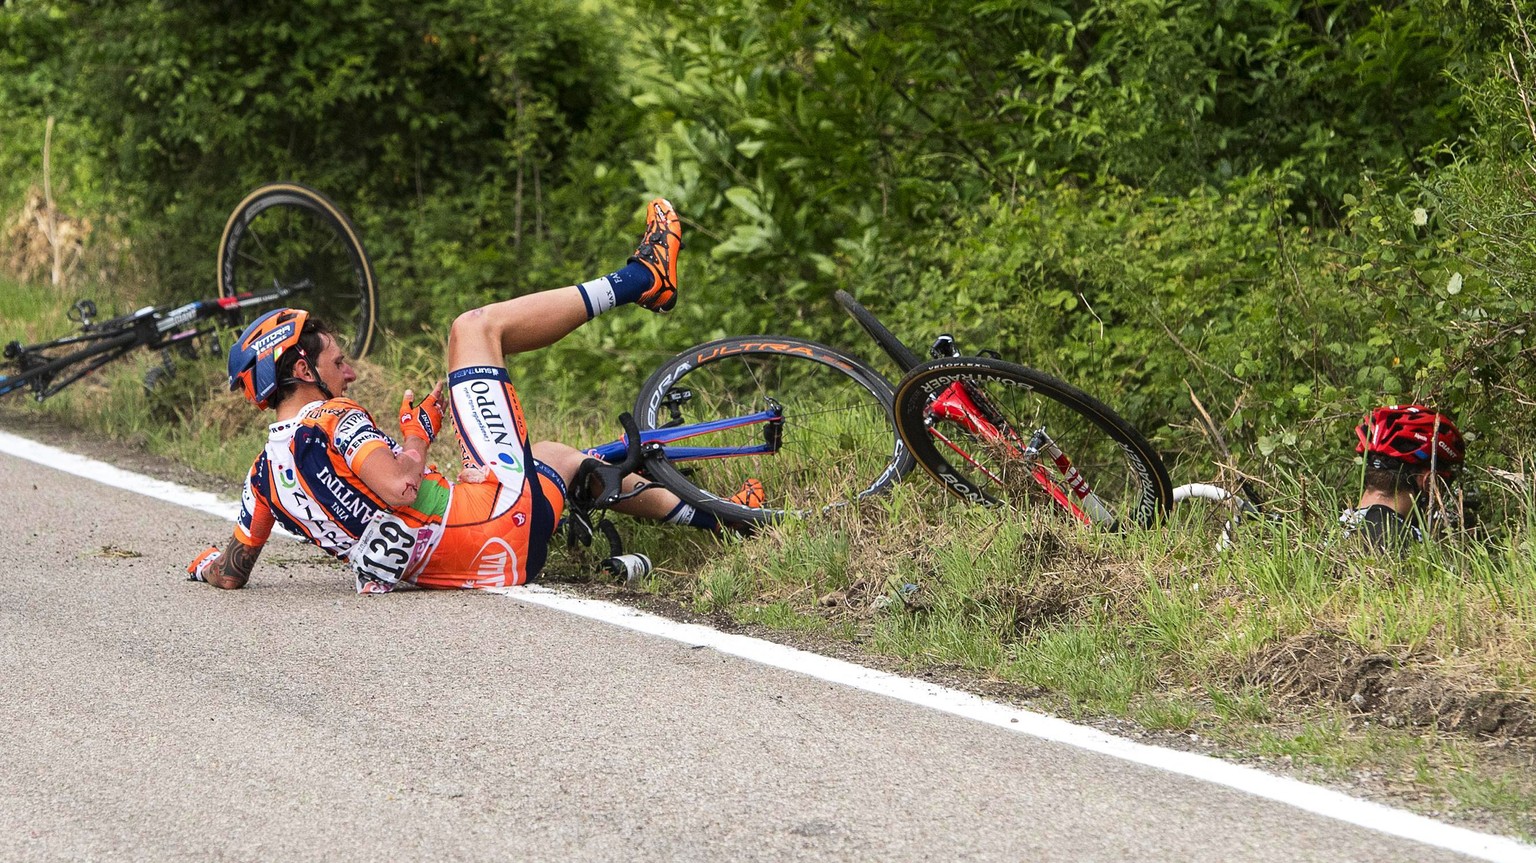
[
  {"x": 811, "y": 423},
  {"x": 904, "y": 357},
  {"x": 998, "y": 433},
  {"x": 288, "y": 235}
]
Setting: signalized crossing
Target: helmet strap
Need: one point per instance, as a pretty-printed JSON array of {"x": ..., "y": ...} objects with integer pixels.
[{"x": 317, "y": 383}]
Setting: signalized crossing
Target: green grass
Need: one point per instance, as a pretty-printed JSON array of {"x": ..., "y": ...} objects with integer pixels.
[
  {"x": 1089, "y": 662},
  {"x": 783, "y": 616},
  {"x": 1166, "y": 713}
]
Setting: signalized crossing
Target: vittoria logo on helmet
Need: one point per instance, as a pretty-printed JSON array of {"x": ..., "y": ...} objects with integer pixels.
[{"x": 274, "y": 339}]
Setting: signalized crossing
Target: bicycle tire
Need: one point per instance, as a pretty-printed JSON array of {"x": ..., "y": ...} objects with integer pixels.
[
  {"x": 283, "y": 233},
  {"x": 904, "y": 357},
  {"x": 839, "y": 442},
  {"x": 1120, "y": 466}
]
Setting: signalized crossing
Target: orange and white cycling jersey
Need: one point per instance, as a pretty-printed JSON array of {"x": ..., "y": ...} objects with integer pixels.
[
  {"x": 305, "y": 480},
  {"x": 490, "y": 534}
]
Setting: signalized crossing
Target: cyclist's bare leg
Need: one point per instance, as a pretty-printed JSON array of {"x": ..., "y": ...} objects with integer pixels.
[
  {"x": 656, "y": 503},
  {"x": 485, "y": 336}
]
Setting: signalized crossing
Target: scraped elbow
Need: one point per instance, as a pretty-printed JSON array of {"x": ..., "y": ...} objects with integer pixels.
[
  {"x": 397, "y": 501},
  {"x": 404, "y": 492}
]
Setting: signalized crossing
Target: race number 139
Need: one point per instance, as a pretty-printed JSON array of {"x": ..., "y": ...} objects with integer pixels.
[{"x": 384, "y": 550}]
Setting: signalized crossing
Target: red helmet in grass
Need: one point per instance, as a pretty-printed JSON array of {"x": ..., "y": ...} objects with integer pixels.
[
  {"x": 253, "y": 357},
  {"x": 1411, "y": 435}
]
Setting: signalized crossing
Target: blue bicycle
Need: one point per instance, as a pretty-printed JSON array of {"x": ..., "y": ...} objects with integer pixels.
[{"x": 810, "y": 423}]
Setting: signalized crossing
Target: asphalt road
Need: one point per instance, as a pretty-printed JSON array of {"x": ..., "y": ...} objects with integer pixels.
[{"x": 149, "y": 718}]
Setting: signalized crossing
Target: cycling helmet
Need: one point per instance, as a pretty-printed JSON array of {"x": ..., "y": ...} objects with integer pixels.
[
  {"x": 253, "y": 358},
  {"x": 1411, "y": 435}
]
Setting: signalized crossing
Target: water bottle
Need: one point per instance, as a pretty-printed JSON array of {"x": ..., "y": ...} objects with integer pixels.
[{"x": 630, "y": 567}]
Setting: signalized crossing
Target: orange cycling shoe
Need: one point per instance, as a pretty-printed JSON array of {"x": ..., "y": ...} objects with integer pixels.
[
  {"x": 751, "y": 495},
  {"x": 657, "y": 252}
]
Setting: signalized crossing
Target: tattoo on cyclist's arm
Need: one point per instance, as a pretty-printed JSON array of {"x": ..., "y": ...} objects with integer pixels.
[{"x": 235, "y": 567}]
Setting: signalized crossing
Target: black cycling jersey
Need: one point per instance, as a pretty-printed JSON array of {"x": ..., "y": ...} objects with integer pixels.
[{"x": 1381, "y": 527}]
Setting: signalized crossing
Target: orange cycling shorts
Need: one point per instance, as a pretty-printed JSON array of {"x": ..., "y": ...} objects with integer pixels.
[{"x": 496, "y": 533}]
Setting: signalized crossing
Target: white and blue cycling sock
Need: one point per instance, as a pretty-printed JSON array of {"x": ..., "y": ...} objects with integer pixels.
[
  {"x": 687, "y": 515},
  {"x": 615, "y": 289}
]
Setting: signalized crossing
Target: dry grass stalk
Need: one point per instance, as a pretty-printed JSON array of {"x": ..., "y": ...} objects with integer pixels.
[
  {"x": 41, "y": 239},
  {"x": 42, "y": 242}
]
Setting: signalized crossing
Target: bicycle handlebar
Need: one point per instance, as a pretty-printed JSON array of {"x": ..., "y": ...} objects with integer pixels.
[{"x": 610, "y": 475}]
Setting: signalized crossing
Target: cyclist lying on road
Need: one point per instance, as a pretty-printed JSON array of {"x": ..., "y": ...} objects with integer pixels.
[
  {"x": 331, "y": 475},
  {"x": 1410, "y": 451}
]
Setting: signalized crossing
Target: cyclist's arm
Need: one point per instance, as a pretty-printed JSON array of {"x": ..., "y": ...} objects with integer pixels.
[
  {"x": 394, "y": 476},
  {"x": 233, "y": 570},
  {"x": 389, "y": 470},
  {"x": 252, "y": 529}
]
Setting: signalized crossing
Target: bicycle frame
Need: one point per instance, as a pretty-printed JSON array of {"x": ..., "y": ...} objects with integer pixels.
[
  {"x": 771, "y": 418},
  {"x": 965, "y": 406},
  {"x": 154, "y": 328}
]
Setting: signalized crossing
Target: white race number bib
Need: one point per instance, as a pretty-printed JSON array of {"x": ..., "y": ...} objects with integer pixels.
[{"x": 381, "y": 555}]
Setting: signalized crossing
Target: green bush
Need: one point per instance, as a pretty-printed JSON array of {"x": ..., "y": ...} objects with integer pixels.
[{"x": 448, "y": 129}]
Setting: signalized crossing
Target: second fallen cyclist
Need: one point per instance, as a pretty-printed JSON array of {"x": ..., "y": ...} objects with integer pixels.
[{"x": 1412, "y": 454}]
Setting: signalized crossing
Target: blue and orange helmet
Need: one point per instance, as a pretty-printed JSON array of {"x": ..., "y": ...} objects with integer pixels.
[{"x": 253, "y": 358}]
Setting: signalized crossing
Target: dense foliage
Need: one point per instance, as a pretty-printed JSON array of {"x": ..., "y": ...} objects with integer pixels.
[
  {"x": 1288, "y": 209},
  {"x": 447, "y": 128}
]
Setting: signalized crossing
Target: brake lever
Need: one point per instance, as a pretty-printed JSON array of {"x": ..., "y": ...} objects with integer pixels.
[{"x": 610, "y": 475}]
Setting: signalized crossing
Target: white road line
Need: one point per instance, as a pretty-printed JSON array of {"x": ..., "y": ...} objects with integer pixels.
[
  {"x": 1311, "y": 798},
  {"x": 106, "y": 474},
  {"x": 116, "y": 477}
]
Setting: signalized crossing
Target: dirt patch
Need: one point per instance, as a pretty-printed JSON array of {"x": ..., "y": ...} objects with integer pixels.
[
  {"x": 1024, "y": 608},
  {"x": 1395, "y": 691},
  {"x": 1030, "y": 578}
]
